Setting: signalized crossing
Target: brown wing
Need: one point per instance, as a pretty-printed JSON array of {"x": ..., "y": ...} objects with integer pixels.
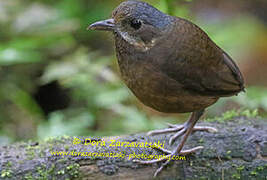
[
  {"x": 234, "y": 69},
  {"x": 225, "y": 79},
  {"x": 201, "y": 66}
]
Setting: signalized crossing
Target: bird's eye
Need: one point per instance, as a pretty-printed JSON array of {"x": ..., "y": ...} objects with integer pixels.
[{"x": 136, "y": 24}]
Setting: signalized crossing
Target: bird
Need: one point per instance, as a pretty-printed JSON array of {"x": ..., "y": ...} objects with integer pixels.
[{"x": 171, "y": 65}]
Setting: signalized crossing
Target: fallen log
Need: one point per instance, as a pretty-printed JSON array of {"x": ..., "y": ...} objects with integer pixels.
[{"x": 237, "y": 151}]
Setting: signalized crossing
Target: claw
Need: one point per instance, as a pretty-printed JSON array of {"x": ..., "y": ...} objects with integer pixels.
[
  {"x": 183, "y": 152},
  {"x": 205, "y": 128},
  {"x": 176, "y": 135},
  {"x": 162, "y": 150},
  {"x": 193, "y": 150},
  {"x": 162, "y": 131},
  {"x": 161, "y": 167},
  {"x": 184, "y": 130},
  {"x": 166, "y": 158}
]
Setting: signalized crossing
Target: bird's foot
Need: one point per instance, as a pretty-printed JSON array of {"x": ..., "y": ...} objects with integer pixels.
[
  {"x": 167, "y": 158},
  {"x": 180, "y": 130}
]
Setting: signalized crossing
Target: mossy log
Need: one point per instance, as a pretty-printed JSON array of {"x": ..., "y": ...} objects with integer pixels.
[{"x": 237, "y": 151}]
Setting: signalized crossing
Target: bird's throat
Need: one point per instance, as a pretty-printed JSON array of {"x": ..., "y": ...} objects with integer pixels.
[{"x": 136, "y": 42}]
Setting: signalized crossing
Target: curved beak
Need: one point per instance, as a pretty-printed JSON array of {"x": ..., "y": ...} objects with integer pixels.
[{"x": 106, "y": 25}]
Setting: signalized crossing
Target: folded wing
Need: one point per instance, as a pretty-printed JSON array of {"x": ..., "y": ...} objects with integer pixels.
[{"x": 203, "y": 67}]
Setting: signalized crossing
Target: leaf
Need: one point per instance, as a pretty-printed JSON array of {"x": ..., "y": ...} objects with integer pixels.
[
  {"x": 12, "y": 56},
  {"x": 22, "y": 99}
]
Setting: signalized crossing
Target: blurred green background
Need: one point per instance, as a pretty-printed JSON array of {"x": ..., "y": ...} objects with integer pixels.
[{"x": 57, "y": 78}]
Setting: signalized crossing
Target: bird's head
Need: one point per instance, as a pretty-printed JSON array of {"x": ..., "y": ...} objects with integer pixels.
[{"x": 138, "y": 23}]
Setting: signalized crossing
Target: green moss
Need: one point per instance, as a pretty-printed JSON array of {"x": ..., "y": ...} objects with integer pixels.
[
  {"x": 208, "y": 152},
  {"x": 21, "y": 162},
  {"x": 228, "y": 155},
  {"x": 31, "y": 151},
  {"x": 236, "y": 176},
  {"x": 253, "y": 173},
  {"x": 28, "y": 177},
  {"x": 62, "y": 160},
  {"x": 61, "y": 172},
  {"x": 66, "y": 137},
  {"x": 203, "y": 178},
  {"x": 201, "y": 140},
  {"x": 66, "y": 147},
  {"x": 51, "y": 169},
  {"x": 233, "y": 165},
  {"x": 59, "y": 139},
  {"x": 191, "y": 163},
  {"x": 257, "y": 170},
  {"x": 260, "y": 168},
  {"x": 51, "y": 147},
  {"x": 69, "y": 167},
  {"x": 73, "y": 170},
  {"x": 42, "y": 153},
  {"x": 6, "y": 173},
  {"x": 9, "y": 164},
  {"x": 250, "y": 113},
  {"x": 49, "y": 139},
  {"x": 44, "y": 172},
  {"x": 228, "y": 115},
  {"x": 208, "y": 164},
  {"x": 30, "y": 155},
  {"x": 240, "y": 168}
]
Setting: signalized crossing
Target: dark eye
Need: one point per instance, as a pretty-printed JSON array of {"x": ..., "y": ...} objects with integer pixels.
[{"x": 136, "y": 24}]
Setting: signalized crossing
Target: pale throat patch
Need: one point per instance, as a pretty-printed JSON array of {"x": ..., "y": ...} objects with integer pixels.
[{"x": 138, "y": 43}]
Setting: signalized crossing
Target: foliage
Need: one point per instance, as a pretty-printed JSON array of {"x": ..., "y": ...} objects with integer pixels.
[{"x": 46, "y": 41}]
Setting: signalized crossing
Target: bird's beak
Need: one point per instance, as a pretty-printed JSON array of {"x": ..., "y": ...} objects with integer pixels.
[{"x": 106, "y": 25}]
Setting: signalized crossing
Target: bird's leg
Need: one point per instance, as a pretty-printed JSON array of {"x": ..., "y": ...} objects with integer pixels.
[
  {"x": 180, "y": 130},
  {"x": 178, "y": 150}
]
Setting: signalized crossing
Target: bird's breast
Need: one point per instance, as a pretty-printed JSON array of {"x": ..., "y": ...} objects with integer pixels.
[{"x": 154, "y": 88}]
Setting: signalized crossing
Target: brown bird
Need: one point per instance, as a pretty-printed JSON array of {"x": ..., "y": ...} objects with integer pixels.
[{"x": 171, "y": 65}]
